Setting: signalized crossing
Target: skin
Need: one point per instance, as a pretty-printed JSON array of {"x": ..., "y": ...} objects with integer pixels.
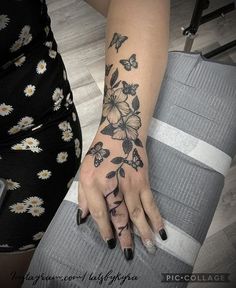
[
  {"x": 136, "y": 56},
  {"x": 152, "y": 18}
]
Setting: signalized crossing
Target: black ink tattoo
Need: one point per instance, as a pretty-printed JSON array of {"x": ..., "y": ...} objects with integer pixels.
[
  {"x": 108, "y": 68},
  {"x": 99, "y": 153},
  {"x": 123, "y": 123},
  {"x": 129, "y": 88},
  {"x": 118, "y": 40},
  {"x": 121, "y": 228},
  {"x": 136, "y": 160},
  {"x": 113, "y": 210},
  {"x": 130, "y": 63}
]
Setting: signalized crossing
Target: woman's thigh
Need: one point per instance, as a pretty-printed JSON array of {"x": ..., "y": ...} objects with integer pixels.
[{"x": 38, "y": 168}]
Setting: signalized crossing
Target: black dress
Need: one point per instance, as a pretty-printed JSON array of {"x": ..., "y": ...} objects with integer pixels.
[{"x": 40, "y": 133}]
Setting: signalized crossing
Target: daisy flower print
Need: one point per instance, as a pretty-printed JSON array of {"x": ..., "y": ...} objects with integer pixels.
[
  {"x": 5, "y": 109},
  {"x": 12, "y": 185},
  {"x": 30, "y": 205},
  {"x": 4, "y": 20},
  {"x": 44, "y": 174},
  {"x": 33, "y": 201},
  {"x": 38, "y": 236},
  {"x": 41, "y": 67},
  {"x": 19, "y": 62},
  {"x": 29, "y": 90},
  {"x": 62, "y": 157},
  {"x": 36, "y": 211},
  {"x": 18, "y": 208}
]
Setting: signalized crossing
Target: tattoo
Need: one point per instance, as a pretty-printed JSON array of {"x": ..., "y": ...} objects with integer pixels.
[
  {"x": 129, "y": 88},
  {"x": 121, "y": 111},
  {"x": 113, "y": 210},
  {"x": 99, "y": 153},
  {"x": 121, "y": 228},
  {"x": 108, "y": 68},
  {"x": 118, "y": 40},
  {"x": 130, "y": 63}
]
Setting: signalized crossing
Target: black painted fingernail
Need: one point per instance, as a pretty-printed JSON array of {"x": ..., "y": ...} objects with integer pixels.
[
  {"x": 111, "y": 243},
  {"x": 79, "y": 218},
  {"x": 162, "y": 233},
  {"x": 129, "y": 255}
]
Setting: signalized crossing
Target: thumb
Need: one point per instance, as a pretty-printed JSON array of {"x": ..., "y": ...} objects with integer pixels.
[{"x": 83, "y": 210}]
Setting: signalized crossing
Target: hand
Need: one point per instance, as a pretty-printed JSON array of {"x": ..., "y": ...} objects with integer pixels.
[{"x": 114, "y": 188}]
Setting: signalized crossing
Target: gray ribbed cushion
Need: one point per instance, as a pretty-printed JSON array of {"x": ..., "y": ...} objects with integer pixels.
[{"x": 197, "y": 97}]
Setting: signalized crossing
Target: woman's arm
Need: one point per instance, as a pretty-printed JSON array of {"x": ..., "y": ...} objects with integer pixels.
[
  {"x": 140, "y": 29},
  {"x": 114, "y": 172}
]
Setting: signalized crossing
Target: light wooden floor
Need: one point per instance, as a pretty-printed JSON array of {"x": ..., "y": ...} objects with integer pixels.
[{"x": 80, "y": 33}]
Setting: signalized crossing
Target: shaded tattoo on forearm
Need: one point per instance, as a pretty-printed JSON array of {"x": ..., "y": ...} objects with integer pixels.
[
  {"x": 107, "y": 70},
  {"x": 130, "y": 63},
  {"x": 117, "y": 40},
  {"x": 121, "y": 111},
  {"x": 123, "y": 123}
]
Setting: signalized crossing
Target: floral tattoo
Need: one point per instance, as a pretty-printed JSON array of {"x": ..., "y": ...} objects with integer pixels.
[{"x": 121, "y": 112}]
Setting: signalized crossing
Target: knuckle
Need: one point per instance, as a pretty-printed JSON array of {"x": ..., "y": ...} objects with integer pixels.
[
  {"x": 98, "y": 213},
  {"x": 135, "y": 213}
]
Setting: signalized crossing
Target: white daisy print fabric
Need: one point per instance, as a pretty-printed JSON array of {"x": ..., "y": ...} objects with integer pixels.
[
  {"x": 4, "y": 20},
  {"x": 24, "y": 38},
  {"x": 29, "y": 90},
  {"x": 44, "y": 174},
  {"x": 30, "y": 143},
  {"x": 41, "y": 67},
  {"x": 5, "y": 109},
  {"x": 40, "y": 135}
]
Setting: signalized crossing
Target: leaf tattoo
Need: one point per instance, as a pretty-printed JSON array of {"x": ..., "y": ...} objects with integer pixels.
[
  {"x": 107, "y": 70},
  {"x": 114, "y": 78},
  {"x": 117, "y": 40},
  {"x": 99, "y": 153},
  {"x": 130, "y": 63}
]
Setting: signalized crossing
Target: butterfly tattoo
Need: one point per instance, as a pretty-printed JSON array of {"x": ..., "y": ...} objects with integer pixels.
[
  {"x": 129, "y": 63},
  {"x": 108, "y": 68},
  {"x": 117, "y": 40},
  {"x": 129, "y": 88},
  {"x": 99, "y": 153},
  {"x": 136, "y": 160}
]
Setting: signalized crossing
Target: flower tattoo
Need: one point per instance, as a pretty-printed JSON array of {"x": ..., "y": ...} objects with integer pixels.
[{"x": 120, "y": 115}]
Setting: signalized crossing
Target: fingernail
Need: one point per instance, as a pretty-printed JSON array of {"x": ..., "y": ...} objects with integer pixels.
[
  {"x": 150, "y": 246},
  {"x": 79, "y": 218},
  {"x": 162, "y": 233},
  {"x": 111, "y": 243},
  {"x": 128, "y": 252}
]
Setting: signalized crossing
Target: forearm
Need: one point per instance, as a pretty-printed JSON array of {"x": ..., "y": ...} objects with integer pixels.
[{"x": 145, "y": 25}]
